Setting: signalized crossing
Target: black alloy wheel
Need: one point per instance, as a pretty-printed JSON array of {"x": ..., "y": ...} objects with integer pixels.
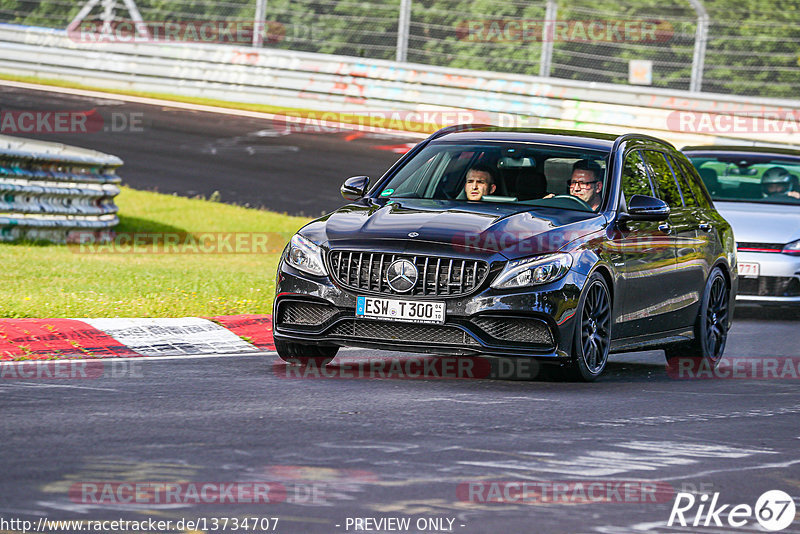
[
  {"x": 716, "y": 319},
  {"x": 711, "y": 326},
  {"x": 592, "y": 332}
]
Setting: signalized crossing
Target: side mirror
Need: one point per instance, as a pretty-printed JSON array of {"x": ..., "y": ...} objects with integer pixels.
[
  {"x": 355, "y": 188},
  {"x": 645, "y": 208}
]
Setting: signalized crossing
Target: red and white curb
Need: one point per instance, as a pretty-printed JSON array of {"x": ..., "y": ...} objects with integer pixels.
[{"x": 39, "y": 339}]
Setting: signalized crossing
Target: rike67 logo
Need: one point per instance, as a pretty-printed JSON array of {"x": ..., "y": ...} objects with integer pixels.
[{"x": 774, "y": 511}]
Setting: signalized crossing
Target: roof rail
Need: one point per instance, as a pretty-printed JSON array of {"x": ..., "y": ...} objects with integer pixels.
[
  {"x": 456, "y": 128},
  {"x": 756, "y": 147},
  {"x": 628, "y": 136}
]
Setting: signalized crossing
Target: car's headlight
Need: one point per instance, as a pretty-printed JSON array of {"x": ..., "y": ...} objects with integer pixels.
[
  {"x": 792, "y": 248},
  {"x": 305, "y": 255},
  {"x": 533, "y": 271}
]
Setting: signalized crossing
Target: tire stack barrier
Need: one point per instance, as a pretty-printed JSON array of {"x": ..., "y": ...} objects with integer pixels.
[{"x": 54, "y": 192}]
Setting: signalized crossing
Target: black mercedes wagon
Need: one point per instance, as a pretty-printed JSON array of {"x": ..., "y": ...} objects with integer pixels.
[{"x": 524, "y": 243}]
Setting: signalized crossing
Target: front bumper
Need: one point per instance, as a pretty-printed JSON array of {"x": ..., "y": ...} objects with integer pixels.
[
  {"x": 534, "y": 322},
  {"x": 778, "y": 282}
]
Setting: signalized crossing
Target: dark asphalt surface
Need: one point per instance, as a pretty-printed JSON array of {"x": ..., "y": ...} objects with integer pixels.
[
  {"x": 379, "y": 448},
  {"x": 347, "y": 448},
  {"x": 249, "y": 161}
]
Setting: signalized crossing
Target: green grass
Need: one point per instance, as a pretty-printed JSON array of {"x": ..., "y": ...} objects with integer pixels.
[{"x": 45, "y": 280}]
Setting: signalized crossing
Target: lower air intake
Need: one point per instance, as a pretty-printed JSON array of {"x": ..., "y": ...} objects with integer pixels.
[
  {"x": 516, "y": 330},
  {"x": 304, "y": 313},
  {"x": 418, "y": 333}
]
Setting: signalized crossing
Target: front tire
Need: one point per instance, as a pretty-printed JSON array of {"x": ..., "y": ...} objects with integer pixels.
[
  {"x": 305, "y": 355},
  {"x": 711, "y": 325},
  {"x": 592, "y": 339}
]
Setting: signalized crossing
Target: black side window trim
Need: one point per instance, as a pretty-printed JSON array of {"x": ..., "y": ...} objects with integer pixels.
[
  {"x": 693, "y": 174},
  {"x": 623, "y": 198},
  {"x": 687, "y": 179},
  {"x": 653, "y": 180},
  {"x": 675, "y": 177}
]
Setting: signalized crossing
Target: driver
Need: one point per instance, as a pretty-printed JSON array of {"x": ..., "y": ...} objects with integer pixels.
[
  {"x": 480, "y": 182},
  {"x": 777, "y": 181},
  {"x": 586, "y": 183}
]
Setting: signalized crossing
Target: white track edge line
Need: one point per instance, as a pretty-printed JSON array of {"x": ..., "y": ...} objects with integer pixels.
[
  {"x": 140, "y": 357},
  {"x": 211, "y": 109},
  {"x": 143, "y": 357}
]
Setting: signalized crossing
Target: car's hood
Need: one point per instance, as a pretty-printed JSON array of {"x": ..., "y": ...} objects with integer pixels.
[
  {"x": 762, "y": 223},
  {"x": 413, "y": 225}
]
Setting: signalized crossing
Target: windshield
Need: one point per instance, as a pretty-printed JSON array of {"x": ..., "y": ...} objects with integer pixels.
[
  {"x": 750, "y": 177},
  {"x": 518, "y": 173}
]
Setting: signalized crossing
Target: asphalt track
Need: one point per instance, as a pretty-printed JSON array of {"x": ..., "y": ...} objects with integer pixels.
[
  {"x": 397, "y": 447},
  {"x": 255, "y": 162},
  {"x": 401, "y": 447}
]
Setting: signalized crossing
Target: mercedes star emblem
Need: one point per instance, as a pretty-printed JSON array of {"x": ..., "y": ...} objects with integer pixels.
[{"x": 402, "y": 275}]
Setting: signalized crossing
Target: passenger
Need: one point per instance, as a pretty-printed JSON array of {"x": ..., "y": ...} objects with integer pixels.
[
  {"x": 585, "y": 183},
  {"x": 777, "y": 181},
  {"x": 480, "y": 182}
]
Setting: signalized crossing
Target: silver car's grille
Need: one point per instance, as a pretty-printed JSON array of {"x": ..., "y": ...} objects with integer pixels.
[
  {"x": 770, "y": 286},
  {"x": 517, "y": 330},
  {"x": 759, "y": 247},
  {"x": 304, "y": 313},
  {"x": 437, "y": 276},
  {"x": 408, "y": 332}
]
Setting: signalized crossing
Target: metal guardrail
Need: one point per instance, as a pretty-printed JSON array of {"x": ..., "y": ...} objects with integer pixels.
[
  {"x": 54, "y": 192},
  {"x": 348, "y": 84}
]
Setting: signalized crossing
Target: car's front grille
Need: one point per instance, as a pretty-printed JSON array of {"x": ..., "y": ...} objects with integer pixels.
[
  {"x": 514, "y": 329},
  {"x": 304, "y": 313},
  {"x": 437, "y": 276},
  {"x": 770, "y": 286},
  {"x": 404, "y": 332},
  {"x": 759, "y": 247}
]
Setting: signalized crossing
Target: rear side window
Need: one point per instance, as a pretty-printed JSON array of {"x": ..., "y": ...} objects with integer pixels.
[
  {"x": 634, "y": 176},
  {"x": 688, "y": 195},
  {"x": 662, "y": 177},
  {"x": 695, "y": 184}
]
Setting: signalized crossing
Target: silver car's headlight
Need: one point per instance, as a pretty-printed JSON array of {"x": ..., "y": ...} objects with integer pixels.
[
  {"x": 305, "y": 255},
  {"x": 792, "y": 248},
  {"x": 533, "y": 271}
]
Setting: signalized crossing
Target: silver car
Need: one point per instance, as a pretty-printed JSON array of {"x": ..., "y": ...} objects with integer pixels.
[{"x": 757, "y": 190}]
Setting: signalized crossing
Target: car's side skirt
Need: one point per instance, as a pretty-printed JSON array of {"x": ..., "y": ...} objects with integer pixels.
[{"x": 652, "y": 340}]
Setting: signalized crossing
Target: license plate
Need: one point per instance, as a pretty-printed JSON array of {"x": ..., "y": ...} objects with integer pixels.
[
  {"x": 411, "y": 311},
  {"x": 749, "y": 270}
]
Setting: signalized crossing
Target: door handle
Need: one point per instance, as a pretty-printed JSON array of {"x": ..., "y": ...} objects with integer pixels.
[
  {"x": 665, "y": 227},
  {"x": 706, "y": 227}
]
